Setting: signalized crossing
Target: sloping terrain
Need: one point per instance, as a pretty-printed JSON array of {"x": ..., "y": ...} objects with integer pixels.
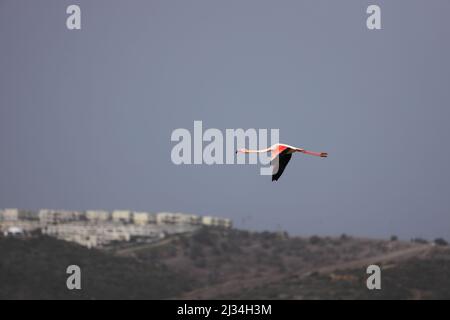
[
  {"x": 226, "y": 264},
  {"x": 425, "y": 276},
  {"x": 36, "y": 269},
  {"x": 216, "y": 263}
]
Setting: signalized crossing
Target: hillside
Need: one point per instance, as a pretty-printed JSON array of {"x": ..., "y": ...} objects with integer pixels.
[
  {"x": 421, "y": 277},
  {"x": 217, "y": 263},
  {"x": 36, "y": 269}
]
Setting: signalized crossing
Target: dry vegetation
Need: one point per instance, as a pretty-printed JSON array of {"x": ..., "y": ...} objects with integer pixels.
[{"x": 215, "y": 263}]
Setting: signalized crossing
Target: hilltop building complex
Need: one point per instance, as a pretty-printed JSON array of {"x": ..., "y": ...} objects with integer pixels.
[{"x": 99, "y": 228}]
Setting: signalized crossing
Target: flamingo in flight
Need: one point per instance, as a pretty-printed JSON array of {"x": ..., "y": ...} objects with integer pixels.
[{"x": 284, "y": 153}]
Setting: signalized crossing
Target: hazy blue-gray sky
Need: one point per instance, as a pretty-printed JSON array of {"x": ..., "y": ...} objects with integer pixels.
[{"x": 86, "y": 116}]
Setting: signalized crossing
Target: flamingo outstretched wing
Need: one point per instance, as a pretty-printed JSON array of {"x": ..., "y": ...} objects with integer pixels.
[{"x": 279, "y": 164}]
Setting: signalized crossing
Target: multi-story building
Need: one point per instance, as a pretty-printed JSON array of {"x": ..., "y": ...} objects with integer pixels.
[
  {"x": 28, "y": 215},
  {"x": 25, "y": 225},
  {"x": 73, "y": 233},
  {"x": 102, "y": 234},
  {"x": 143, "y": 218},
  {"x": 10, "y": 215},
  {"x": 177, "y": 218},
  {"x": 97, "y": 215},
  {"x": 165, "y": 217},
  {"x": 217, "y": 222},
  {"x": 190, "y": 219},
  {"x": 16, "y": 214},
  {"x": 58, "y": 216},
  {"x": 123, "y": 216}
]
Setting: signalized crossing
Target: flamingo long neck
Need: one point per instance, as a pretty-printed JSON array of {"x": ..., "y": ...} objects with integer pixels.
[{"x": 258, "y": 151}]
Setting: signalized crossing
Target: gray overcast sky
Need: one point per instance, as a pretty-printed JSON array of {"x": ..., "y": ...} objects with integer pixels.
[{"x": 86, "y": 116}]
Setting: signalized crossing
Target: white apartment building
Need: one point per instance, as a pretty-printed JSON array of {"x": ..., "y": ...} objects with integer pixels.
[
  {"x": 58, "y": 216},
  {"x": 177, "y": 228},
  {"x": 177, "y": 218},
  {"x": 165, "y": 217},
  {"x": 24, "y": 225},
  {"x": 97, "y": 215},
  {"x": 123, "y": 216},
  {"x": 10, "y": 214},
  {"x": 217, "y": 222},
  {"x": 88, "y": 235},
  {"x": 28, "y": 215},
  {"x": 191, "y": 219},
  {"x": 143, "y": 218},
  {"x": 16, "y": 215},
  {"x": 99, "y": 235}
]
